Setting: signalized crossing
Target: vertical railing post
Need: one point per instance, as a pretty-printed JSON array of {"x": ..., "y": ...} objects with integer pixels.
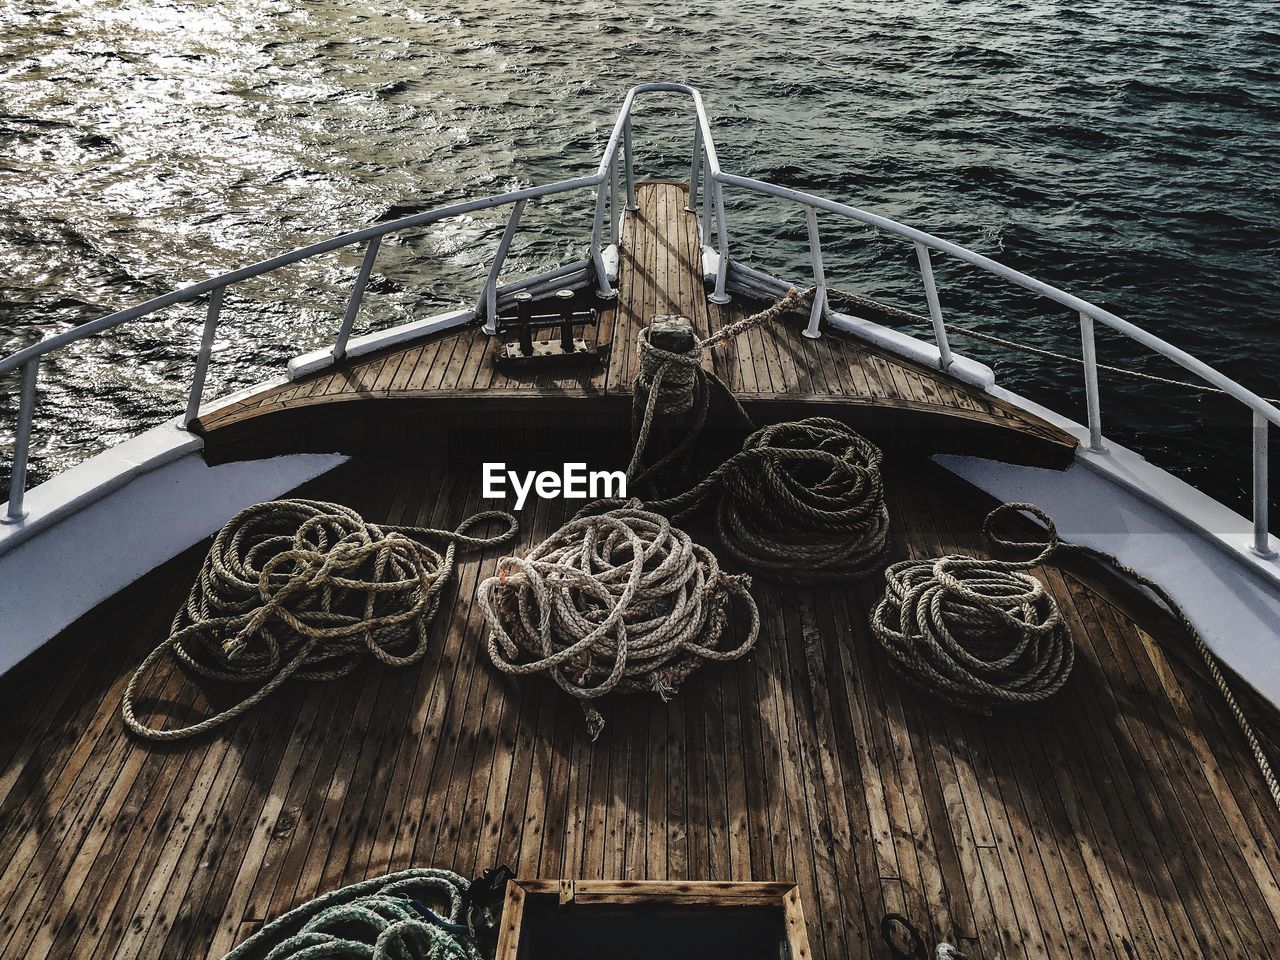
[
  {"x": 706, "y": 201},
  {"x": 603, "y": 290},
  {"x": 819, "y": 308},
  {"x": 710, "y": 183},
  {"x": 488, "y": 306},
  {"x": 357, "y": 295},
  {"x": 695, "y": 161},
  {"x": 628, "y": 166},
  {"x": 935, "y": 307},
  {"x": 22, "y": 441},
  {"x": 1093, "y": 403},
  {"x": 615, "y": 208},
  {"x": 1261, "y": 489},
  {"x": 202, "y": 358}
]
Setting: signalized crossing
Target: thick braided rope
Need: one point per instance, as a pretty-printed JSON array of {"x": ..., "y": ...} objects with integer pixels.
[
  {"x": 802, "y": 502},
  {"x": 378, "y": 919},
  {"x": 619, "y": 601},
  {"x": 676, "y": 384},
  {"x": 302, "y": 588},
  {"x": 978, "y": 633}
]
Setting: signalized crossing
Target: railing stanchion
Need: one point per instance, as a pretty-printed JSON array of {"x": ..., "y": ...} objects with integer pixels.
[
  {"x": 615, "y": 209},
  {"x": 202, "y": 358},
  {"x": 722, "y": 240},
  {"x": 489, "y": 300},
  {"x": 695, "y": 161},
  {"x": 935, "y": 306},
  {"x": 603, "y": 290},
  {"x": 1092, "y": 401},
  {"x": 357, "y": 295},
  {"x": 22, "y": 441},
  {"x": 706, "y": 202},
  {"x": 819, "y": 308},
  {"x": 1261, "y": 491},
  {"x": 628, "y": 166}
]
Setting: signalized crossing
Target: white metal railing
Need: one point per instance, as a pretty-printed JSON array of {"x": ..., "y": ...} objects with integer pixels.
[
  {"x": 608, "y": 192},
  {"x": 1263, "y": 413},
  {"x": 706, "y": 183}
]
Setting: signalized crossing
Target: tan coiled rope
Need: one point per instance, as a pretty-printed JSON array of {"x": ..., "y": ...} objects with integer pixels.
[
  {"x": 307, "y": 589},
  {"x": 802, "y": 502},
  {"x": 622, "y": 600},
  {"x": 978, "y": 633},
  {"x": 936, "y": 616}
]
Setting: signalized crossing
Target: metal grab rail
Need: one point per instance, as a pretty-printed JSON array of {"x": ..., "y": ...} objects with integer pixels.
[
  {"x": 1264, "y": 413},
  {"x": 605, "y": 180}
]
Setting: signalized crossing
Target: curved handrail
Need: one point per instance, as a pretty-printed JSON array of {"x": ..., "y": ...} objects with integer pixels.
[
  {"x": 192, "y": 291},
  {"x": 1264, "y": 413},
  {"x": 1079, "y": 305},
  {"x": 604, "y": 179}
]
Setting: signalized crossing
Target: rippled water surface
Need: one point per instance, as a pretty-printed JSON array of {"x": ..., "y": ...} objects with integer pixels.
[{"x": 1125, "y": 150}]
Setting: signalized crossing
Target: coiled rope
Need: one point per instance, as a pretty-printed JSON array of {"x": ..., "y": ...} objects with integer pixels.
[
  {"x": 802, "y": 502},
  {"x": 622, "y": 600},
  {"x": 386, "y": 918},
  {"x": 307, "y": 589},
  {"x": 977, "y": 633}
]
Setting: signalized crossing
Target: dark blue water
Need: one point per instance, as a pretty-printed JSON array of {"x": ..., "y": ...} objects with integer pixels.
[{"x": 1126, "y": 151}]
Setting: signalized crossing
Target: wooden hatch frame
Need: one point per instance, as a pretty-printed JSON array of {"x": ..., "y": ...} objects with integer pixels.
[{"x": 726, "y": 893}]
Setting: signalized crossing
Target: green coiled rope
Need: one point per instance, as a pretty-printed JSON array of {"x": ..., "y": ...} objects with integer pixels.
[{"x": 386, "y": 918}]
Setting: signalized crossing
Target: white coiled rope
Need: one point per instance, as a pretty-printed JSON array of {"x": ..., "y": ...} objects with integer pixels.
[{"x": 621, "y": 600}]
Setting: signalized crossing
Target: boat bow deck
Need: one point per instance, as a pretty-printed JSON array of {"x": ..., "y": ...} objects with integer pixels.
[{"x": 660, "y": 273}]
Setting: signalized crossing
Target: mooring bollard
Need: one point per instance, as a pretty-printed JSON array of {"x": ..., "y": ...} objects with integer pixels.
[
  {"x": 566, "y": 319},
  {"x": 524, "y": 303}
]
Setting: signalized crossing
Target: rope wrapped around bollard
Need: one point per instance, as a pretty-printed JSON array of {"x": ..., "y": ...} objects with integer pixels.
[
  {"x": 673, "y": 382},
  {"x": 621, "y": 600},
  {"x": 802, "y": 502},
  {"x": 307, "y": 589},
  {"x": 977, "y": 633},
  {"x": 385, "y": 918}
]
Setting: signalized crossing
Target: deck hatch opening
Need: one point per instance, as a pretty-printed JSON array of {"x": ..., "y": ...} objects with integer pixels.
[{"x": 639, "y": 920}]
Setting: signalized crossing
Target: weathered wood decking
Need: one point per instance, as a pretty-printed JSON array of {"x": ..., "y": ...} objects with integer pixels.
[
  {"x": 1121, "y": 819},
  {"x": 659, "y": 273}
]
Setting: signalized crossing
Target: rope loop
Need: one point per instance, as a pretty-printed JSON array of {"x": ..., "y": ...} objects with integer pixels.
[
  {"x": 675, "y": 383},
  {"x": 622, "y": 600},
  {"x": 306, "y": 589}
]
